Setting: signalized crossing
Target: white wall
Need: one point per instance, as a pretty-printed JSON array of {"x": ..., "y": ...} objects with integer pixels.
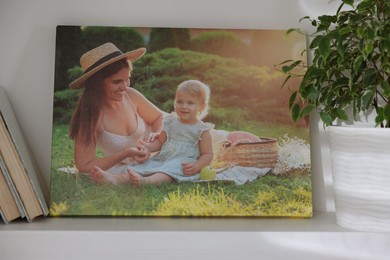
[{"x": 27, "y": 47}]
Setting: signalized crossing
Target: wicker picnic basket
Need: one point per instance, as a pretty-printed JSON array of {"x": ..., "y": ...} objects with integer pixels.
[{"x": 262, "y": 154}]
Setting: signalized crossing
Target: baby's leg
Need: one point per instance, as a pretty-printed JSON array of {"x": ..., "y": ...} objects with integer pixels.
[
  {"x": 154, "y": 179},
  {"x": 99, "y": 176}
]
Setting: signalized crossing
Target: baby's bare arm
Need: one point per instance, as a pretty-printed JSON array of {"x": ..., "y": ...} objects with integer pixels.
[
  {"x": 156, "y": 145},
  {"x": 205, "y": 158}
]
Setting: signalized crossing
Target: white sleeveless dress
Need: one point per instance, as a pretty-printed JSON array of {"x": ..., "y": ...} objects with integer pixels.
[
  {"x": 111, "y": 143},
  {"x": 182, "y": 145}
]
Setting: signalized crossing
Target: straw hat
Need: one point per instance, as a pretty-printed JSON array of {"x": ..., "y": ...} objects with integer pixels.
[{"x": 100, "y": 57}]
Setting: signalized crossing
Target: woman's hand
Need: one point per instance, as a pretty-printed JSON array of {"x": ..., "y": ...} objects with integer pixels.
[
  {"x": 139, "y": 153},
  {"x": 189, "y": 169}
]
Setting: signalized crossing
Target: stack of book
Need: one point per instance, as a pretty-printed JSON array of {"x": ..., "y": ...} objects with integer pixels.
[{"x": 21, "y": 194}]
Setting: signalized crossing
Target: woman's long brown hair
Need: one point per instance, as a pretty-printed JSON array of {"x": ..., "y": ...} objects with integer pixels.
[{"x": 89, "y": 105}]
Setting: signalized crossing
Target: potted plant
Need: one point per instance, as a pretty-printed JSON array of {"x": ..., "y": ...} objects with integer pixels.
[{"x": 349, "y": 77}]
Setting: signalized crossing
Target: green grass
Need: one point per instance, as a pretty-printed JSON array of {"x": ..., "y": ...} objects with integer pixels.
[{"x": 268, "y": 196}]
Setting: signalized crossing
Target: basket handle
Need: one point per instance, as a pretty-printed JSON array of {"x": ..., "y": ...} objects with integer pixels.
[{"x": 228, "y": 143}]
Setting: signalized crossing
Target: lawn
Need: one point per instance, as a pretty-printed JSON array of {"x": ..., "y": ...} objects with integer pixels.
[{"x": 287, "y": 194}]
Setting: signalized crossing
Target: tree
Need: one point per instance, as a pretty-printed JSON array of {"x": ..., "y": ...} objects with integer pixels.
[
  {"x": 125, "y": 38},
  {"x": 182, "y": 38},
  {"x": 161, "y": 38},
  {"x": 68, "y": 52}
]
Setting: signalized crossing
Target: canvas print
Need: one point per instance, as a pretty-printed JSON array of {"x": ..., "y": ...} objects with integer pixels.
[{"x": 177, "y": 122}]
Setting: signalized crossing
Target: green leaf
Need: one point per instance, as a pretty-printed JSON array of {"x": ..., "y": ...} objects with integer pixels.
[
  {"x": 343, "y": 81},
  {"x": 326, "y": 118},
  {"x": 295, "y": 113},
  {"x": 345, "y": 30},
  {"x": 327, "y": 19},
  {"x": 365, "y": 4},
  {"x": 292, "y": 99},
  {"x": 368, "y": 48},
  {"x": 306, "y": 110},
  {"x": 341, "y": 114},
  {"x": 323, "y": 27},
  {"x": 386, "y": 44},
  {"x": 313, "y": 94},
  {"x": 348, "y": 2},
  {"x": 355, "y": 108},
  {"x": 324, "y": 47},
  {"x": 290, "y": 67},
  {"x": 304, "y": 18},
  {"x": 358, "y": 70},
  {"x": 370, "y": 76},
  {"x": 285, "y": 61},
  {"x": 357, "y": 63},
  {"x": 367, "y": 98},
  {"x": 341, "y": 51},
  {"x": 285, "y": 81},
  {"x": 386, "y": 87},
  {"x": 292, "y": 30},
  {"x": 386, "y": 113},
  {"x": 314, "y": 42},
  {"x": 380, "y": 116}
]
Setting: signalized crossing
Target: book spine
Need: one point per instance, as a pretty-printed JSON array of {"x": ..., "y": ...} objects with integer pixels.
[
  {"x": 11, "y": 185},
  {"x": 3, "y": 216},
  {"x": 25, "y": 156}
]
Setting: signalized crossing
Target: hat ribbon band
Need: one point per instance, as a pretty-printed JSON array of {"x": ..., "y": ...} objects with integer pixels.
[{"x": 103, "y": 60}]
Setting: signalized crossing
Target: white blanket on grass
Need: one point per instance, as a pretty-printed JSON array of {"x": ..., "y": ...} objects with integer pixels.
[{"x": 237, "y": 174}]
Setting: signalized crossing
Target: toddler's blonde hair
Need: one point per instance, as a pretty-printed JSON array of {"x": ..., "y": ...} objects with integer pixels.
[{"x": 198, "y": 89}]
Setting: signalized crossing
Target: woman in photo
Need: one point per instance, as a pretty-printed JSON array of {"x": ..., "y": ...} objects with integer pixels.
[{"x": 109, "y": 114}]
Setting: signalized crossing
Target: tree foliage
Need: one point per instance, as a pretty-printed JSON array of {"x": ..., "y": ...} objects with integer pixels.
[
  {"x": 239, "y": 92},
  {"x": 220, "y": 42},
  {"x": 125, "y": 38},
  {"x": 73, "y": 41},
  {"x": 161, "y": 38},
  {"x": 68, "y": 52}
]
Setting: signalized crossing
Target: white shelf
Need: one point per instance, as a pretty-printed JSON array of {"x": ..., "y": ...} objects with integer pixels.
[
  {"x": 321, "y": 222},
  {"x": 189, "y": 238}
]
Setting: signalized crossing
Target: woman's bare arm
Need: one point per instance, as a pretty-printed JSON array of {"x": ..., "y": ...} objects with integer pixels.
[
  {"x": 85, "y": 157},
  {"x": 151, "y": 114}
]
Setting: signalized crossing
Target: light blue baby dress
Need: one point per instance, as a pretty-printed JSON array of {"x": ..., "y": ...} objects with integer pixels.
[{"x": 181, "y": 146}]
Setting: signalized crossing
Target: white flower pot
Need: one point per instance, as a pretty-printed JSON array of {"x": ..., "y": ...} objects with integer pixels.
[{"x": 361, "y": 176}]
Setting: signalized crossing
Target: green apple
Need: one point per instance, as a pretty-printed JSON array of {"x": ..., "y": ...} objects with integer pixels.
[{"x": 207, "y": 173}]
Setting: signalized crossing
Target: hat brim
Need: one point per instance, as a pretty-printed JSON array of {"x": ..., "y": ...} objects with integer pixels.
[{"x": 131, "y": 56}]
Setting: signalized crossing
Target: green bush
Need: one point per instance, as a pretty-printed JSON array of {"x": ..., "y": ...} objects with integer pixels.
[{"x": 239, "y": 92}]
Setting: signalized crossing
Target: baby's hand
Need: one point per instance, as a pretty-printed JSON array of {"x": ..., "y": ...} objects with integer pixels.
[
  {"x": 149, "y": 138},
  {"x": 189, "y": 169}
]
